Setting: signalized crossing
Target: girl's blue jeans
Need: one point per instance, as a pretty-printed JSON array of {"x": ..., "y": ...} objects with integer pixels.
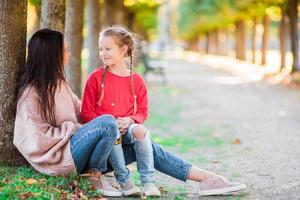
[
  {"x": 143, "y": 153},
  {"x": 164, "y": 161}
]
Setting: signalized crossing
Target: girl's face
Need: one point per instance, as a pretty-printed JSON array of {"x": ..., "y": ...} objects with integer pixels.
[{"x": 110, "y": 52}]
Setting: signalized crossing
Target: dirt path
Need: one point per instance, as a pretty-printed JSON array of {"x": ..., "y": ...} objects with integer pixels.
[{"x": 220, "y": 105}]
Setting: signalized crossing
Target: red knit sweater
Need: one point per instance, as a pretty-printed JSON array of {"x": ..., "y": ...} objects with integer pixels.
[{"x": 118, "y": 98}]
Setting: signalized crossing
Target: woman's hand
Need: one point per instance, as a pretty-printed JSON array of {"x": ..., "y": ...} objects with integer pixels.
[{"x": 124, "y": 123}]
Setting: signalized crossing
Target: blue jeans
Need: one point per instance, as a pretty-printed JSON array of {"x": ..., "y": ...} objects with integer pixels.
[
  {"x": 93, "y": 142},
  {"x": 164, "y": 161},
  {"x": 144, "y": 158}
]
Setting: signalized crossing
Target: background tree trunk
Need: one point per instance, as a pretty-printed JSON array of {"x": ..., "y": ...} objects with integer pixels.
[
  {"x": 283, "y": 37},
  {"x": 240, "y": 47},
  {"x": 74, "y": 24},
  {"x": 115, "y": 12},
  {"x": 93, "y": 23},
  {"x": 193, "y": 44},
  {"x": 207, "y": 44},
  {"x": 53, "y": 14},
  {"x": 293, "y": 18},
  {"x": 254, "y": 40},
  {"x": 265, "y": 39},
  {"x": 13, "y": 25}
]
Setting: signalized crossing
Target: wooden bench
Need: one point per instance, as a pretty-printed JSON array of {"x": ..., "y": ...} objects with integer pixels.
[{"x": 153, "y": 66}]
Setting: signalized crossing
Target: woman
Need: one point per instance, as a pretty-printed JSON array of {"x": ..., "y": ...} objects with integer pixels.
[{"x": 49, "y": 135}]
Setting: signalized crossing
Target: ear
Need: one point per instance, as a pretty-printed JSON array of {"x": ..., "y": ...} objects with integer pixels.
[{"x": 124, "y": 49}]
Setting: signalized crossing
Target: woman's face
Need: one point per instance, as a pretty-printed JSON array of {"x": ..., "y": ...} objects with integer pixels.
[
  {"x": 66, "y": 53},
  {"x": 110, "y": 52}
]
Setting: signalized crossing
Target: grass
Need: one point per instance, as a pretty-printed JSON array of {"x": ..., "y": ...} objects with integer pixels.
[{"x": 24, "y": 182}]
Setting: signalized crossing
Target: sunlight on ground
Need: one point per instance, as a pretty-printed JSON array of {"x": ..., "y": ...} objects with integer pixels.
[{"x": 242, "y": 71}]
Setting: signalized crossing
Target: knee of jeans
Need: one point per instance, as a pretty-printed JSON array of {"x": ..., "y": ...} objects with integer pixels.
[{"x": 139, "y": 132}]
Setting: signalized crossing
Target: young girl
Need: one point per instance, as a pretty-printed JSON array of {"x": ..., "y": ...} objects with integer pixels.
[{"x": 116, "y": 89}]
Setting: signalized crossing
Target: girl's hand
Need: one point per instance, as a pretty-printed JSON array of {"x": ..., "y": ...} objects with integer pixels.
[{"x": 124, "y": 123}]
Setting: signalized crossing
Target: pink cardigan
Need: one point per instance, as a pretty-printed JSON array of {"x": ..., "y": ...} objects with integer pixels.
[{"x": 45, "y": 147}]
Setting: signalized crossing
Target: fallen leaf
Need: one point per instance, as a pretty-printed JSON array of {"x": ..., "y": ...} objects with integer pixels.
[
  {"x": 162, "y": 190},
  {"x": 42, "y": 180},
  {"x": 30, "y": 181},
  {"x": 237, "y": 141},
  {"x": 143, "y": 196},
  {"x": 25, "y": 195}
]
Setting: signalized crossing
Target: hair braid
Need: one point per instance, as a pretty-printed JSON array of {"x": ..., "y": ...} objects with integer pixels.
[
  {"x": 102, "y": 85},
  {"x": 132, "y": 85}
]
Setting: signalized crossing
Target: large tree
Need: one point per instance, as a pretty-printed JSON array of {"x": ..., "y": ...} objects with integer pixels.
[
  {"x": 53, "y": 14},
  {"x": 74, "y": 24},
  {"x": 12, "y": 58}
]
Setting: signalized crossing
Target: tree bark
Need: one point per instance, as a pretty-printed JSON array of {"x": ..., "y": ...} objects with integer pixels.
[
  {"x": 53, "y": 14},
  {"x": 93, "y": 23},
  {"x": 13, "y": 17},
  {"x": 193, "y": 44},
  {"x": 115, "y": 13},
  {"x": 293, "y": 18},
  {"x": 74, "y": 38},
  {"x": 254, "y": 40},
  {"x": 240, "y": 40},
  {"x": 265, "y": 39},
  {"x": 207, "y": 44},
  {"x": 283, "y": 37}
]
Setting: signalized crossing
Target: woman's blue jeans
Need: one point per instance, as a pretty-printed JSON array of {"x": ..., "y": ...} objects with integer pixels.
[{"x": 93, "y": 142}]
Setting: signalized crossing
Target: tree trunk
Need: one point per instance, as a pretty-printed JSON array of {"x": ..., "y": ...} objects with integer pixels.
[
  {"x": 115, "y": 13},
  {"x": 240, "y": 40},
  {"x": 74, "y": 24},
  {"x": 216, "y": 41},
  {"x": 283, "y": 36},
  {"x": 293, "y": 18},
  {"x": 193, "y": 44},
  {"x": 53, "y": 14},
  {"x": 13, "y": 24},
  {"x": 207, "y": 44},
  {"x": 210, "y": 43},
  {"x": 265, "y": 39},
  {"x": 131, "y": 16},
  {"x": 93, "y": 23},
  {"x": 254, "y": 40}
]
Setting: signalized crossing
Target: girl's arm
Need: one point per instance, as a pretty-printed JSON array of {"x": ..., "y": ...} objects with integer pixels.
[{"x": 88, "y": 110}]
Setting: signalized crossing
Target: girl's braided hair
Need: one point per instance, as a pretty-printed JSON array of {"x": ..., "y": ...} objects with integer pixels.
[{"x": 122, "y": 37}]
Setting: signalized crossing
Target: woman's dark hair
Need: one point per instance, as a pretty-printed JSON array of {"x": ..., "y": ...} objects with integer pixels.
[{"x": 44, "y": 70}]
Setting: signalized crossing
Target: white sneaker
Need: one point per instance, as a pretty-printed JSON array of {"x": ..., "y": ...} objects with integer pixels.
[
  {"x": 105, "y": 187},
  {"x": 129, "y": 189},
  {"x": 150, "y": 190},
  {"x": 219, "y": 186}
]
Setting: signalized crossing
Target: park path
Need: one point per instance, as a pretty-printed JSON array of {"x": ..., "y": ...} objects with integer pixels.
[{"x": 258, "y": 122}]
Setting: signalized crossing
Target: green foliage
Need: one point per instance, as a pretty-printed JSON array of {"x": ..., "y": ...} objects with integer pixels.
[
  {"x": 145, "y": 14},
  {"x": 35, "y": 2},
  {"x": 201, "y": 16}
]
